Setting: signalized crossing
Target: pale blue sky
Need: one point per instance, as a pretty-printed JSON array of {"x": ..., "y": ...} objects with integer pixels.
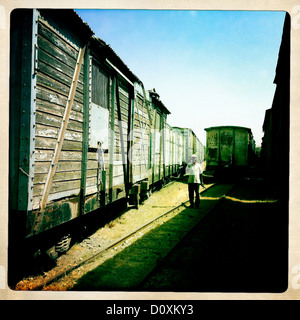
[{"x": 210, "y": 68}]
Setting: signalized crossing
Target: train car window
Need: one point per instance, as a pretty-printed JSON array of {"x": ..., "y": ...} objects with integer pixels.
[{"x": 99, "y": 86}]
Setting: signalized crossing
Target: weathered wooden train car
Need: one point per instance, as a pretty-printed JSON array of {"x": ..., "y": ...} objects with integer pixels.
[
  {"x": 146, "y": 155},
  {"x": 84, "y": 132},
  {"x": 173, "y": 151},
  {"x": 70, "y": 111},
  {"x": 191, "y": 145},
  {"x": 71, "y": 105},
  {"x": 169, "y": 149},
  {"x": 229, "y": 146},
  {"x": 158, "y": 138},
  {"x": 49, "y": 65},
  {"x": 177, "y": 151}
]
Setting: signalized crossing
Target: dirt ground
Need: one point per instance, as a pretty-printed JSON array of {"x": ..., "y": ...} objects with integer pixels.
[{"x": 159, "y": 202}]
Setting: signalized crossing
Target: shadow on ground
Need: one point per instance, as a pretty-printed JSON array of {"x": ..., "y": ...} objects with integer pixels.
[{"x": 240, "y": 246}]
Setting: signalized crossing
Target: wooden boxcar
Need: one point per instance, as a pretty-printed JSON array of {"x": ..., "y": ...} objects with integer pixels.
[
  {"x": 191, "y": 145},
  {"x": 228, "y": 146},
  {"x": 84, "y": 132},
  {"x": 173, "y": 151},
  {"x": 79, "y": 131},
  {"x": 48, "y": 128}
]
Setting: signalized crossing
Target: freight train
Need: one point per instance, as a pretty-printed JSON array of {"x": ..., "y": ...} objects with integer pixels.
[
  {"x": 229, "y": 147},
  {"x": 84, "y": 132}
]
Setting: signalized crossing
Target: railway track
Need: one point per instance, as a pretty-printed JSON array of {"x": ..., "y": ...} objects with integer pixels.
[{"x": 126, "y": 262}]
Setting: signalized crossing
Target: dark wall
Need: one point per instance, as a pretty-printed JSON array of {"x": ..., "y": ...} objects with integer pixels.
[{"x": 275, "y": 146}]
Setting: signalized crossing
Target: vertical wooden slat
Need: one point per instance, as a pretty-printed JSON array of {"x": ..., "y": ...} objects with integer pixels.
[
  {"x": 142, "y": 141},
  {"x": 112, "y": 138},
  {"x": 27, "y": 112},
  {"x": 33, "y": 108},
  {"x": 62, "y": 129},
  {"x": 85, "y": 138},
  {"x": 154, "y": 145},
  {"x": 130, "y": 142},
  {"x": 124, "y": 162},
  {"x": 130, "y": 135},
  {"x": 151, "y": 120},
  {"x": 163, "y": 146}
]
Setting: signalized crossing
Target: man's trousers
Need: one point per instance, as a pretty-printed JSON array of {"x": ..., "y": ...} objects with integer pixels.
[{"x": 194, "y": 189}]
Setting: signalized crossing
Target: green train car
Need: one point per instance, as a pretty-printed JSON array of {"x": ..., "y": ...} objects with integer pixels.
[{"x": 229, "y": 146}]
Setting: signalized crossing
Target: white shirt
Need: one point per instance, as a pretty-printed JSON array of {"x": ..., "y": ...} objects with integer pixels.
[{"x": 194, "y": 170}]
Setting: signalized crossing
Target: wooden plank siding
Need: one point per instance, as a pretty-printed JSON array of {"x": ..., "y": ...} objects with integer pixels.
[
  {"x": 141, "y": 141},
  {"x": 69, "y": 78},
  {"x": 168, "y": 149},
  {"x": 118, "y": 165},
  {"x": 56, "y": 64},
  {"x": 157, "y": 162},
  {"x": 179, "y": 143}
]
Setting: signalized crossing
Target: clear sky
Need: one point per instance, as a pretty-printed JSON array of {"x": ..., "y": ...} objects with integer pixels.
[{"x": 210, "y": 68}]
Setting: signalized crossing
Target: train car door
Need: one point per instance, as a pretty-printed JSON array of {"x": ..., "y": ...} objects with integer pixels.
[{"x": 99, "y": 121}]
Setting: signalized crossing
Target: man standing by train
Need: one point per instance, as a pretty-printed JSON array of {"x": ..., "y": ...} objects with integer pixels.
[{"x": 194, "y": 171}]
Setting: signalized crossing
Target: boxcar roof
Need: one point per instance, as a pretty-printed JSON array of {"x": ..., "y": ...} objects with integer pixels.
[
  {"x": 69, "y": 18},
  {"x": 222, "y": 127},
  {"x": 107, "y": 51}
]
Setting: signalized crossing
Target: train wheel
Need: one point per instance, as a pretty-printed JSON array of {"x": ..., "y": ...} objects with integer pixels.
[
  {"x": 62, "y": 246},
  {"x": 52, "y": 253}
]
